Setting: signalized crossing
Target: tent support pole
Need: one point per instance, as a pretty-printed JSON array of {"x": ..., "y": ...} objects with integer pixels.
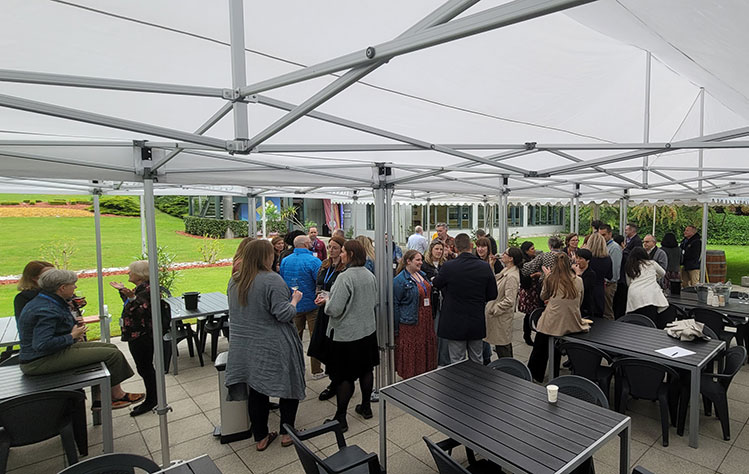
[
  {"x": 702, "y": 134},
  {"x": 655, "y": 215},
  {"x": 703, "y": 249},
  {"x": 388, "y": 279},
  {"x": 380, "y": 269},
  {"x": 427, "y": 227},
  {"x": 503, "y": 237},
  {"x": 354, "y": 209},
  {"x": 143, "y": 248},
  {"x": 577, "y": 209},
  {"x": 646, "y": 119},
  {"x": 162, "y": 408},
  {"x": 238, "y": 68},
  {"x": 265, "y": 222},
  {"x": 251, "y": 213},
  {"x": 103, "y": 315}
]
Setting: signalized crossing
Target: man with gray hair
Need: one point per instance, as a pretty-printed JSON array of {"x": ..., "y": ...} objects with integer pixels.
[
  {"x": 299, "y": 271},
  {"x": 417, "y": 241},
  {"x": 449, "y": 242}
]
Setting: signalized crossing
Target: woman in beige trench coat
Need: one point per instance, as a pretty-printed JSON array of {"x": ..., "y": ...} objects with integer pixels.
[{"x": 500, "y": 312}]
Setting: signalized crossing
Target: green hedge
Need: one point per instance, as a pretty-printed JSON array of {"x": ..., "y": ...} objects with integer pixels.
[
  {"x": 173, "y": 205},
  {"x": 216, "y": 228},
  {"x": 9, "y": 203},
  {"x": 80, "y": 201},
  {"x": 728, "y": 229},
  {"x": 58, "y": 202},
  {"x": 118, "y": 205}
]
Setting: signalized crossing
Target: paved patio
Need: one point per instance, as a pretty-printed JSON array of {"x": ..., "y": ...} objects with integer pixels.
[{"x": 193, "y": 395}]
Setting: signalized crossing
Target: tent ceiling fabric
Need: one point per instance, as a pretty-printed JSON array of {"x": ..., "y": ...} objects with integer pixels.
[{"x": 451, "y": 119}]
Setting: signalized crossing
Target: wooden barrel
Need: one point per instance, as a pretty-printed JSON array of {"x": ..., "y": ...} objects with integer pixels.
[{"x": 716, "y": 266}]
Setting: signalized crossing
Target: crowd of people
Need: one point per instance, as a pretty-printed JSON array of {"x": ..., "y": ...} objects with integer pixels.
[{"x": 453, "y": 297}]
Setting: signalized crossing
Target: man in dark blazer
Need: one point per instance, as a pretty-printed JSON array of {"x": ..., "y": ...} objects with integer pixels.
[
  {"x": 620, "y": 297},
  {"x": 467, "y": 284}
]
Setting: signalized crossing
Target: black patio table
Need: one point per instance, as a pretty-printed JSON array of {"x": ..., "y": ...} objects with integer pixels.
[
  {"x": 736, "y": 312},
  {"x": 506, "y": 419},
  {"x": 14, "y": 383},
  {"x": 8, "y": 335},
  {"x": 208, "y": 305},
  {"x": 642, "y": 342}
]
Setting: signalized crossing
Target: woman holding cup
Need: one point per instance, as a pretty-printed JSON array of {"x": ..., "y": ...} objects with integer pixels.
[{"x": 319, "y": 343}]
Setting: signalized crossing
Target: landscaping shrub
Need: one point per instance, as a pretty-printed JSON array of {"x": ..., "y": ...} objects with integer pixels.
[
  {"x": 9, "y": 203},
  {"x": 59, "y": 252},
  {"x": 80, "y": 201},
  {"x": 58, "y": 202},
  {"x": 210, "y": 249},
  {"x": 173, "y": 205},
  {"x": 216, "y": 228},
  {"x": 118, "y": 205}
]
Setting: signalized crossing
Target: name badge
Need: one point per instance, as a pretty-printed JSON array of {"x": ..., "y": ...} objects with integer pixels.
[
  {"x": 427, "y": 302},
  {"x": 314, "y": 254}
]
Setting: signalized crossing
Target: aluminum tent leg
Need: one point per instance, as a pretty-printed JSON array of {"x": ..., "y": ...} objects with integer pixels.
[
  {"x": 380, "y": 269},
  {"x": 162, "y": 408},
  {"x": 388, "y": 280},
  {"x": 251, "y": 213},
  {"x": 502, "y": 224},
  {"x": 265, "y": 221},
  {"x": 703, "y": 249},
  {"x": 143, "y": 248},
  {"x": 103, "y": 315}
]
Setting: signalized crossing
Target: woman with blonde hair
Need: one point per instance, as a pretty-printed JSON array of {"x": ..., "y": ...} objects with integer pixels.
[
  {"x": 28, "y": 285},
  {"x": 266, "y": 358},
  {"x": 236, "y": 262},
  {"x": 433, "y": 260},
  {"x": 602, "y": 267},
  {"x": 563, "y": 292},
  {"x": 369, "y": 249}
]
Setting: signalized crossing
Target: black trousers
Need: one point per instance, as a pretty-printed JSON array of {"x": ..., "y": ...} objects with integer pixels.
[
  {"x": 142, "y": 351},
  {"x": 539, "y": 358},
  {"x": 258, "y": 407},
  {"x": 620, "y": 300}
]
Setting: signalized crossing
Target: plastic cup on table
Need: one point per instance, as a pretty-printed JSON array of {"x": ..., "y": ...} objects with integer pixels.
[{"x": 551, "y": 393}]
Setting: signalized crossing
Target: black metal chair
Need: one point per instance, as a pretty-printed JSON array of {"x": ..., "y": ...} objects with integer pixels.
[
  {"x": 184, "y": 331},
  {"x": 32, "y": 418},
  {"x": 535, "y": 316},
  {"x": 639, "y": 319},
  {"x": 714, "y": 389},
  {"x": 113, "y": 463},
  {"x": 648, "y": 381},
  {"x": 447, "y": 465},
  {"x": 689, "y": 289},
  {"x": 12, "y": 360},
  {"x": 348, "y": 459},
  {"x": 585, "y": 361},
  {"x": 213, "y": 325},
  {"x": 581, "y": 388},
  {"x": 587, "y": 391},
  {"x": 680, "y": 312},
  {"x": 512, "y": 366},
  {"x": 714, "y": 320},
  {"x": 641, "y": 470}
]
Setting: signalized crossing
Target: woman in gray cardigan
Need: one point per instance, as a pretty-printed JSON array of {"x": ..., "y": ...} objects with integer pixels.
[
  {"x": 352, "y": 330},
  {"x": 266, "y": 358}
]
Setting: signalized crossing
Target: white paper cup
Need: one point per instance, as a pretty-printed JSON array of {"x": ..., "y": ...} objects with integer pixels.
[{"x": 551, "y": 393}]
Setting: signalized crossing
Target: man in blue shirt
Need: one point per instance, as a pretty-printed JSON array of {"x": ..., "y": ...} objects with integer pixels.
[
  {"x": 299, "y": 271},
  {"x": 615, "y": 253}
]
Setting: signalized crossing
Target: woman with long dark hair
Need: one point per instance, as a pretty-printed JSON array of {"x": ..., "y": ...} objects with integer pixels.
[
  {"x": 28, "y": 285},
  {"x": 500, "y": 312},
  {"x": 483, "y": 251},
  {"x": 563, "y": 293},
  {"x": 571, "y": 243},
  {"x": 266, "y": 358},
  {"x": 645, "y": 296}
]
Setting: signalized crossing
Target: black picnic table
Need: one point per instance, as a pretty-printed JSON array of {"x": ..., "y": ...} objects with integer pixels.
[
  {"x": 736, "y": 312},
  {"x": 506, "y": 419},
  {"x": 642, "y": 342},
  {"x": 8, "y": 335}
]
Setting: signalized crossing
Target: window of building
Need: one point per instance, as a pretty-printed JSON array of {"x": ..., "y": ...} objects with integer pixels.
[
  {"x": 545, "y": 215},
  {"x": 370, "y": 217},
  {"x": 514, "y": 215}
]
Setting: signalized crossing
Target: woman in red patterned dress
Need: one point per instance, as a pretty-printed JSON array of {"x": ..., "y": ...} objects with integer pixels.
[{"x": 416, "y": 341}]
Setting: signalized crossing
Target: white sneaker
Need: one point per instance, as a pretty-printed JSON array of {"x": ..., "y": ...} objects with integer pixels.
[{"x": 318, "y": 376}]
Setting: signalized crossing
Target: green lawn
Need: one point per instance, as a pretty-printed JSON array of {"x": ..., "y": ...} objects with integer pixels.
[
  {"x": 204, "y": 280},
  {"x": 737, "y": 257},
  {"x": 22, "y": 238}
]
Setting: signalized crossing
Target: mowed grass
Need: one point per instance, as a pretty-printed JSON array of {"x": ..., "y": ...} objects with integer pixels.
[
  {"x": 23, "y": 237},
  {"x": 205, "y": 280},
  {"x": 737, "y": 256}
]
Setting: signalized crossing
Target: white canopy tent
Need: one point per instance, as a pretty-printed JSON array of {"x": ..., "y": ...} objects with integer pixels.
[{"x": 471, "y": 100}]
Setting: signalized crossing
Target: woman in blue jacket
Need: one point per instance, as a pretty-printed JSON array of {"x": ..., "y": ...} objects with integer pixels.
[{"x": 416, "y": 341}]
